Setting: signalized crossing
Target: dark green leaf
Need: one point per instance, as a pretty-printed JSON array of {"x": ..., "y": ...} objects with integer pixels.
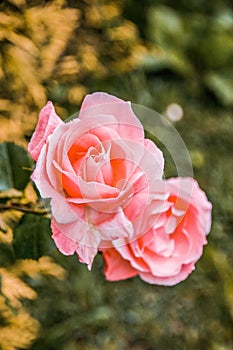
[
  {"x": 32, "y": 237},
  {"x": 13, "y": 160},
  {"x": 7, "y": 257}
]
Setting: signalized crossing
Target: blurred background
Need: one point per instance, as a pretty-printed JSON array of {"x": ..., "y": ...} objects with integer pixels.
[{"x": 153, "y": 53}]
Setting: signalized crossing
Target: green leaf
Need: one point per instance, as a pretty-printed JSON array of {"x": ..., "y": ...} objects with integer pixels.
[
  {"x": 166, "y": 27},
  {"x": 7, "y": 257},
  {"x": 170, "y": 59},
  {"x": 32, "y": 237},
  {"x": 221, "y": 86},
  {"x": 13, "y": 160}
]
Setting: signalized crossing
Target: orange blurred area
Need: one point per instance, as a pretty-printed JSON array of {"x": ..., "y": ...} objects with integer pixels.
[{"x": 51, "y": 50}]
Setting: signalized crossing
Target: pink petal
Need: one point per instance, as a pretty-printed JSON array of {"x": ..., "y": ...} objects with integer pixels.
[
  {"x": 136, "y": 205},
  {"x": 95, "y": 190},
  {"x": 152, "y": 161},
  {"x": 200, "y": 200},
  {"x": 67, "y": 246},
  {"x": 158, "y": 155},
  {"x": 170, "y": 280},
  {"x": 197, "y": 240},
  {"x": 183, "y": 244},
  {"x": 104, "y": 133},
  {"x": 76, "y": 230},
  {"x": 154, "y": 213},
  {"x": 47, "y": 123},
  {"x": 98, "y": 98},
  {"x": 127, "y": 253},
  {"x": 128, "y": 125},
  {"x": 188, "y": 189},
  {"x": 86, "y": 255},
  {"x": 171, "y": 224},
  {"x": 114, "y": 226},
  {"x": 161, "y": 266},
  {"x": 61, "y": 209},
  {"x": 116, "y": 268},
  {"x": 63, "y": 243},
  {"x": 163, "y": 245},
  {"x": 40, "y": 177},
  {"x": 84, "y": 235}
]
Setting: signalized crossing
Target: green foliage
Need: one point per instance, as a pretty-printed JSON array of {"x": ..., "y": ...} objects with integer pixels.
[
  {"x": 13, "y": 161},
  {"x": 32, "y": 237},
  {"x": 194, "y": 46}
]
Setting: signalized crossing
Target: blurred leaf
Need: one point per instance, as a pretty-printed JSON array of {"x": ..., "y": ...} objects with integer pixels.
[
  {"x": 44, "y": 266},
  {"x": 7, "y": 257},
  {"x": 214, "y": 50},
  {"x": 225, "y": 270},
  {"x": 12, "y": 159},
  {"x": 166, "y": 27},
  {"x": 14, "y": 289},
  {"x": 224, "y": 19},
  {"x": 221, "y": 86},
  {"x": 18, "y": 3},
  {"x": 11, "y": 193},
  {"x": 18, "y": 328},
  {"x": 171, "y": 59},
  {"x": 32, "y": 237},
  {"x": 197, "y": 158},
  {"x": 54, "y": 21}
]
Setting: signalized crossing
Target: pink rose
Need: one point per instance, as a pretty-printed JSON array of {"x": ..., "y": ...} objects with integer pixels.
[
  {"x": 166, "y": 253},
  {"x": 97, "y": 169}
]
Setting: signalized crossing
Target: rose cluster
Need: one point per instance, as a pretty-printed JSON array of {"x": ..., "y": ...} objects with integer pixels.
[{"x": 105, "y": 182}]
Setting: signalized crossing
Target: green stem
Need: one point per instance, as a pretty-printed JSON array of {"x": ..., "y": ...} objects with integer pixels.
[{"x": 23, "y": 208}]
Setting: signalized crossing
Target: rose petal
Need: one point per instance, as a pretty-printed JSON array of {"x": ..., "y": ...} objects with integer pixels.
[
  {"x": 115, "y": 226},
  {"x": 171, "y": 280},
  {"x": 63, "y": 243},
  {"x": 67, "y": 246},
  {"x": 47, "y": 123},
  {"x": 63, "y": 211},
  {"x": 157, "y": 154},
  {"x": 189, "y": 189},
  {"x": 116, "y": 268},
  {"x": 98, "y": 98},
  {"x": 163, "y": 245},
  {"x": 128, "y": 125},
  {"x": 86, "y": 255},
  {"x": 128, "y": 254}
]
